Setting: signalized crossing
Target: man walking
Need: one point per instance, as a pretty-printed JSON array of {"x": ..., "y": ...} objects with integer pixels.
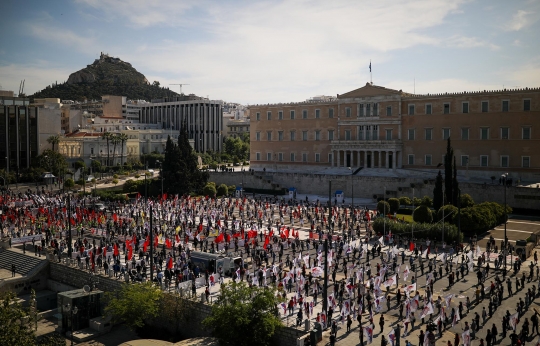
[{"x": 13, "y": 270}]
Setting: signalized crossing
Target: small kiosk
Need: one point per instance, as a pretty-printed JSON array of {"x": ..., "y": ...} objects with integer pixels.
[
  {"x": 339, "y": 194},
  {"x": 239, "y": 191},
  {"x": 292, "y": 192}
]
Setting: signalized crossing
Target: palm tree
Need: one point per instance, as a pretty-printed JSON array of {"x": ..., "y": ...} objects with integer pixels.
[
  {"x": 54, "y": 139},
  {"x": 123, "y": 138},
  {"x": 107, "y": 136},
  {"x": 115, "y": 139}
]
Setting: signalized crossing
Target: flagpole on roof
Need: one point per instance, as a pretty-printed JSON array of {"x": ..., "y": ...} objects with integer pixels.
[{"x": 370, "y": 74}]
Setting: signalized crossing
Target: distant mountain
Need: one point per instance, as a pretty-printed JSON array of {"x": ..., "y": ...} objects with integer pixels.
[{"x": 106, "y": 76}]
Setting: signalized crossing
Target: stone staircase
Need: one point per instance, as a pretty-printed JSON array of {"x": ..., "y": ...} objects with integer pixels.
[{"x": 24, "y": 264}]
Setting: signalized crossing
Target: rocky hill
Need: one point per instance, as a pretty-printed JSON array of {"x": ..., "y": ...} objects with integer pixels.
[{"x": 105, "y": 76}]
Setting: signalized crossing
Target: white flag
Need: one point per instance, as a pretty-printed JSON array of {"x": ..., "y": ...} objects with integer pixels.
[
  {"x": 428, "y": 310},
  {"x": 514, "y": 319},
  {"x": 466, "y": 337},
  {"x": 381, "y": 240}
]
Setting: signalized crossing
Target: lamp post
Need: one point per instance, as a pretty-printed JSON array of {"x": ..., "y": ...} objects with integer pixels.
[
  {"x": 161, "y": 173},
  {"x": 412, "y": 224},
  {"x": 70, "y": 244},
  {"x": 72, "y": 312},
  {"x": 352, "y": 189},
  {"x": 504, "y": 177}
]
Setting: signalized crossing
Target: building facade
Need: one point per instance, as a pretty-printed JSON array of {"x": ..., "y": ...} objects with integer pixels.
[
  {"x": 203, "y": 118},
  {"x": 376, "y": 127}
]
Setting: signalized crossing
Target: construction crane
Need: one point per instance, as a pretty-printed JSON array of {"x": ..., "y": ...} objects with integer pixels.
[
  {"x": 180, "y": 86},
  {"x": 21, "y": 88}
]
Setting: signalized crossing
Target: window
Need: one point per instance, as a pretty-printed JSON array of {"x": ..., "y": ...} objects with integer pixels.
[
  {"x": 368, "y": 110},
  {"x": 504, "y": 160},
  {"x": 292, "y": 115},
  {"x": 292, "y": 157},
  {"x": 410, "y": 134},
  {"x": 389, "y": 134},
  {"x": 258, "y": 156},
  {"x": 526, "y": 105},
  {"x": 526, "y": 133},
  {"x": 362, "y": 114},
  {"x": 280, "y": 115},
  {"x": 268, "y": 135},
  {"x": 464, "y": 160},
  {"x": 258, "y": 116},
  {"x": 360, "y": 132},
  {"x": 347, "y": 135},
  {"x": 465, "y": 107},
  {"x": 446, "y": 133},
  {"x": 428, "y": 160},
  {"x": 411, "y": 159},
  {"x": 505, "y": 131},
  {"x": 280, "y": 136},
  {"x": 293, "y": 135},
  {"x": 483, "y": 160},
  {"x": 268, "y": 156},
  {"x": 304, "y": 157},
  {"x": 330, "y": 157},
  {"x": 446, "y": 108},
  {"x": 304, "y": 114},
  {"x": 348, "y": 112},
  {"x": 317, "y": 135},
  {"x": 258, "y": 136},
  {"x": 428, "y": 109},
  {"x": 330, "y": 112},
  {"x": 375, "y": 110},
  {"x": 317, "y": 114},
  {"x": 411, "y": 109},
  {"x": 505, "y": 105},
  {"x": 330, "y": 135},
  {"x": 368, "y": 132},
  {"x": 465, "y": 133},
  {"x": 375, "y": 134},
  {"x": 280, "y": 157},
  {"x": 526, "y": 161},
  {"x": 429, "y": 134},
  {"x": 268, "y": 115},
  {"x": 484, "y": 133},
  {"x": 304, "y": 135},
  {"x": 388, "y": 111},
  {"x": 485, "y": 106},
  {"x": 317, "y": 157}
]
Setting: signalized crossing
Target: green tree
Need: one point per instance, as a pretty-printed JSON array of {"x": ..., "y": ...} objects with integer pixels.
[
  {"x": 107, "y": 136},
  {"x": 449, "y": 211},
  {"x": 423, "y": 214},
  {"x": 404, "y": 200},
  {"x": 210, "y": 189},
  {"x": 222, "y": 190},
  {"x": 50, "y": 161},
  {"x": 96, "y": 166},
  {"x": 427, "y": 201},
  {"x": 438, "y": 195},
  {"x": 394, "y": 205},
  {"x": 383, "y": 207},
  {"x": 69, "y": 183},
  {"x": 115, "y": 181},
  {"x": 254, "y": 310},
  {"x": 455, "y": 186},
  {"x": 122, "y": 137},
  {"x": 115, "y": 140},
  {"x": 53, "y": 140},
  {"x": 132, "y": 304},
  {"x": 16, "y": 322},
  {"x": 466, "y": 201}
]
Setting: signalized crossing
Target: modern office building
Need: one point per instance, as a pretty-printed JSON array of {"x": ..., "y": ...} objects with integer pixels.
[
  {"x": 203, "y": 118},
  {"x": 376, "y": 127}
]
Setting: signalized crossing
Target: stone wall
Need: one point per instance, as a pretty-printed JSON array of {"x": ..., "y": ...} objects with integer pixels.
[
  {"x": 37, "y": 280},
  {"x": 368, "y": 187},
  {"x": 78, "y": 278}
]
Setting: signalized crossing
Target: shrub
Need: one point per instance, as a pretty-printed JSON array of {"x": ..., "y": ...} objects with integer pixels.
[
  {"x": 419, "y": 230},
  {"x": 466, "y": 201},
  {"x": 447, "y": 210},
  {"x": 423, "y": 214},
  {"x": 222, "y": 190},
  {"x": 394, "y": 205},
  {"x": 231, "y": 188},
  {"x": 404, "y": 200},
  {"x": 427, "y": 201},
  {"x": 383, "y": 207},
  {"x": 210, "y": 189}
]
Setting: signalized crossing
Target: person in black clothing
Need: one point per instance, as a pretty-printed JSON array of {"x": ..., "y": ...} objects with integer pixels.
[{"x": 13, "y": 270}]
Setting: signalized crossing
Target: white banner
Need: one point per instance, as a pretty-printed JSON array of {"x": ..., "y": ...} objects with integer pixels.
[{"x": 36, "y": 237}]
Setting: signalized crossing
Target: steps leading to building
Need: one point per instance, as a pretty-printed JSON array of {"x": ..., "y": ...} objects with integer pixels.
[{"x": 24, "y": 264}]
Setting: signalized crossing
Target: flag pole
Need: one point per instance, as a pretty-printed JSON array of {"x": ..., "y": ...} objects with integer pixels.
[{"x": 370, "y": 74}]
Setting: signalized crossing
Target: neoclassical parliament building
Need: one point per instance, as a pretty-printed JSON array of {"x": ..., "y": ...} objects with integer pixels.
[{"x": 491, "y": 132}]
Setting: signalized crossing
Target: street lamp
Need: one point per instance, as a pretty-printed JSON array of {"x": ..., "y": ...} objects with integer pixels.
[
  {"x": 412, "y": 224},
  {"x": 70, "y": 244},
  {"x": 352, "y": 189},
  {"x": 72, "y": 312},
  {"x": 161, "y": 173},
  {"x": 504, "y": 178}
]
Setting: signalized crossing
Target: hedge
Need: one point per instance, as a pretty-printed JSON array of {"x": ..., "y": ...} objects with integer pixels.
[{"x": 420, "y": 230}]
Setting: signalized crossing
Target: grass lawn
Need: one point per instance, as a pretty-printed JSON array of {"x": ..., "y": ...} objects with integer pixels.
[{"x": 407, "y": 218}]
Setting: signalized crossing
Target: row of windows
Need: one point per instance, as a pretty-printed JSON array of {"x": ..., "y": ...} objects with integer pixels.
[
  {"x": 292, "y": 135},
  {"x": 484, "y": 106},
  {"x": 484, "y": 160},
  {"x": 484, "y": 133},
  {"x": 293, "y": 157},
  {"x": 292, "y": 114}
]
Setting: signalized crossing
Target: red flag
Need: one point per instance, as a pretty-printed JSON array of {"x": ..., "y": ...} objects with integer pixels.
[
  {"x": 115, "y": 217},
  {"x": 115, "y": 250},
  {"x": 72, "y": 221},
  {"x": 266, "y": 241},
  {"x": 219, "y": 238},
  {"x": 130, "y": 252},
  {"x": 177, "y": 238},
  {"x": 411, "y": 246},
  {"x": 168, "y": 243},
  {"x": 310, "y": 234},
  {"x": 228, "y": 238},
  {"x": 170, "y": 263},
  {"x": 145, "y": 244},
  {"x": 156, "y": 241}
]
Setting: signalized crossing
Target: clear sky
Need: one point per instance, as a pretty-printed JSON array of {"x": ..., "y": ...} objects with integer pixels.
[{"x": 277, "y": 51}]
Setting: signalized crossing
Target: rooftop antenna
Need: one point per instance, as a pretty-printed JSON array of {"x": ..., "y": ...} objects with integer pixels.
[{"x": 180, "y": 86}]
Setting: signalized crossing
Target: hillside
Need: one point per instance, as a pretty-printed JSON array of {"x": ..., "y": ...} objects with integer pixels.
[{"x": 106, "y": 76}]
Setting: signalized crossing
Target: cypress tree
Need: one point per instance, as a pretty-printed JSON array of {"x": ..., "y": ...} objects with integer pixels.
[
  {"x": 438, "y": 192},
  {"x": 455, "y": 186}
]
